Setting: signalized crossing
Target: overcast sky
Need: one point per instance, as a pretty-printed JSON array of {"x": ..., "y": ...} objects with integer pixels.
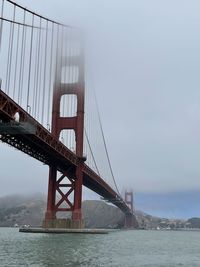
[{"x": 145, "y": 63}]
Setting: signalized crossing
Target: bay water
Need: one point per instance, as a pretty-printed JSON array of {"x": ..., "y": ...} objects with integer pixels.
[{"x": 131, "y": 248}]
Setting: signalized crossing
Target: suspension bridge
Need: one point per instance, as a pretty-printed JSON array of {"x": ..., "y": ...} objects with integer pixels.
[{"x": 49, "y": 111}]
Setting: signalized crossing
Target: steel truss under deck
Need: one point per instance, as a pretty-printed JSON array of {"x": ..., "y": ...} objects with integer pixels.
[{"x": 44, "y": 147}]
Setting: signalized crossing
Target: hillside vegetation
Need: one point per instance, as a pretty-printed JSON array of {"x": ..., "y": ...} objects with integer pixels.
[{"x": 21, "y": 210}]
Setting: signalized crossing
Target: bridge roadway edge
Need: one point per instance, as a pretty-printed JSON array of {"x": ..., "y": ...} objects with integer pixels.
[{"x": 43, "y": 147}]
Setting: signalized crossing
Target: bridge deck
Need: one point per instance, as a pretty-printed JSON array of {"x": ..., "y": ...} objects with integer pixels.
[{"x": 43, "y": 146}]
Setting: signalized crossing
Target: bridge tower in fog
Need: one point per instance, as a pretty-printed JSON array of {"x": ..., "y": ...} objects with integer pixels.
[
  {"x": 71, "y": 182},
  {"x": 130, "y": 219},
  {"x": 48, "y": 110}
]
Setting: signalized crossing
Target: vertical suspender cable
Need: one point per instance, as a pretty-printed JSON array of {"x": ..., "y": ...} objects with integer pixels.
[
  {"x": 21, "y": 58},
  {"x": 10, "y": 49},
  {"x": 56, "y": 71},
  {"x": 8, "y": 58},
  {"x": 11, "y": 52},
  {"x": 1, "y": 30},
  {"x": 50, "y": 79},
  {"x": 62, "y": 71},
  {"x": 64, "y": 111},
  {"x": 44, "y": 76},
  {"x": 1, "y": 24},
  {"x": 37, "y": 72},
  {"x": 60, "y": 78},
  {"x": 16, "y": 60},
  {"x": 67, "y": 63},
  {"x": 67, "y": 82},
  {"x": 72, "y": 144},
  {"x": 23, "y": 63},
  {"x": 41, "y": 66},
  {"x": 30, "y": 64}
]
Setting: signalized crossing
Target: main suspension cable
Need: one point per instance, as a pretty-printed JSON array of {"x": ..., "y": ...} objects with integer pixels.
[
  {"x": 104, "y": 141},
  {"x": 91, "y": 152}
]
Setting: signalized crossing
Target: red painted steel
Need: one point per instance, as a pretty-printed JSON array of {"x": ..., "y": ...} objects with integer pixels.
[
  {"x": 32, "y": 138},
  {"x": 130, "y": 219},
  {"x": 47, "y": 149},
  {"x": 129, "y": 200},
  {"x": 76, "y": 124}
]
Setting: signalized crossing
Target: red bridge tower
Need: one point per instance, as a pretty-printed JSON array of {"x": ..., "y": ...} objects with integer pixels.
[
  {"x": 130, "y": 219},
  {"x": 69, "y": 184}
]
